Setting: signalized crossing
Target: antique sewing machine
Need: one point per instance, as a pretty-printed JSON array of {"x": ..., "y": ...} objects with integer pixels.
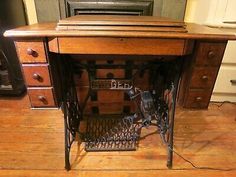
[{"x": 119, "y": 74}]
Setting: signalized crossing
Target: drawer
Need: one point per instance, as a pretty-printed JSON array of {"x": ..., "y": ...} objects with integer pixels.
[
  {"x": 198, "y": 98},
  {"x": 221, "y": 97},
  {"x": 32, "y": 51},
  {"x": 110, "y": 96},
  {"x": 103, "y": 96},
  {"x": 37, "y": 75},
  {"x": 114, "y": 108},
  {"x": 230, "y": 53},
  {"x": 110, "y": 73},
  {"x": 209, "y": 54},
  {"x": 203, "y": 77},
  {"x": 226, "y": 80},
  {"x": 120, "y": 46},
  {"x": 111, "y": 62},
  {"x": 41, "y": 97}
]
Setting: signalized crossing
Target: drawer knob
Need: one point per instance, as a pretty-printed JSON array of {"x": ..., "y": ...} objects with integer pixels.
[
  {"x": 110, "y": 75},
  {"x": 211, "y": 54},
  {"x": 204, "y": 78},
  {"x": 31, "y": 52},
  {"x": 198, "y": 99},
  {"x": 42, "y": 99},
  {"x": 110, "y": 61},
  {"x": 37, "y": 77}
]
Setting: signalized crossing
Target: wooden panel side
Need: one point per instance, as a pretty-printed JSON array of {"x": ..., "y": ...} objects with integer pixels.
[{"x": 53, "y": 45}]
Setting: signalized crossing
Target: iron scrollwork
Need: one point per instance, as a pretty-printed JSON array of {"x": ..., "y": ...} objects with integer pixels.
[{"x": 155, "y": 106}]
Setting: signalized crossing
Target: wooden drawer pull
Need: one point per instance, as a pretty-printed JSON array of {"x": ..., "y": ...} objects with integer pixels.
[
  {"x": 42, "y": 99},
  {"x": 37, "y": 77},
  {"x": 110, "y": 61},
  {"x": 204, "y": 78},
  {"x": 233, "y": 81},
  {"x": 211, "y": 54},
  {"x": 198, "y": 99},
  {"x": 110, "y": 75},
  {"x": 32, "y": 52}
]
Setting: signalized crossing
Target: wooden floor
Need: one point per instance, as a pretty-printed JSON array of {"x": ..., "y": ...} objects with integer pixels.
[{"x": 32, "y": 145}]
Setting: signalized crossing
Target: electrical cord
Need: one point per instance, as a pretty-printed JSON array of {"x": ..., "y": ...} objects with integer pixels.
[
  {"x": 188, "y": 161},
  {"x": 222, "y": 103},
  {"x": 168, "y": 146},
  {"x": 197, "y": 167}
]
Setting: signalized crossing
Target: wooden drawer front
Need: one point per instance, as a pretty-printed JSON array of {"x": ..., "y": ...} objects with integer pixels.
[
  {"x": 103, "y": 96},
  {"x": 210, "y": 54},
  {"x": 230, "y": 53},
  {"x": 126, "y": 46},
  {"x": 107, "y": 73},
  {"x": 110, "y": 62},
  {"x": 37, "y": 75},
  {"x": 32, "y": 51},
  {"x": 203, "y": 77},
  {"x": 110, "y": 96},
  {"x": 226, "y": 80},
  {"x": 198, "y": 98},
  {"x": 41, "y": 97},
  {"x": 108, "y": 108}
]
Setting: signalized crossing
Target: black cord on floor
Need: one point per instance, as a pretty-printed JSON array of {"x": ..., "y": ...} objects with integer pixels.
[
  {"x": 188, "y": 161},
  {"x": 222, "y": 103},
  {"x": 197, "y": 167}
]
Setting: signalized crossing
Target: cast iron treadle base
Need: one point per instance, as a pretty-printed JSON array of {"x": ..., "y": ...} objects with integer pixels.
[{"x": 110, "y": 134}]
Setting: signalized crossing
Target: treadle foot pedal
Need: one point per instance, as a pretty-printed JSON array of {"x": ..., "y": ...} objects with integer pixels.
[{"x": 110, "y": 134}]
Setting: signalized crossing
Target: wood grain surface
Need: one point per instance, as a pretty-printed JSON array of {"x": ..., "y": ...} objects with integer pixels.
[
  {"x": 120, "y": 20},
  {"x": 128, "y": 46},
  {"x": 40, "y": 70},
  {"x": 32, "y": 145},
  {"x": 41, "y": 97},
  {"x": 195, "y": 31},
  {"x": 36, "y": 45}
]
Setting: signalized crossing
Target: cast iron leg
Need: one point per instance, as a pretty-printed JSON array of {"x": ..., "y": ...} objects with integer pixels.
[
  {"x": 71, "y": 111},
  {"x": 171, "y": 124},
  {"x": 170, "y": 141},
  {"x": 67, "y": 147},
  {"x": 72, "y": 119}
]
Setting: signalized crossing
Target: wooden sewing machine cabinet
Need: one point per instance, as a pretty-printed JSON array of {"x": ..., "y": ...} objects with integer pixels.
[{"x": 109, "y": 41}]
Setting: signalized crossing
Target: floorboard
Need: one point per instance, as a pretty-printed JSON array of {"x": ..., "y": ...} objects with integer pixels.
[{"x": 32, "y": 145}]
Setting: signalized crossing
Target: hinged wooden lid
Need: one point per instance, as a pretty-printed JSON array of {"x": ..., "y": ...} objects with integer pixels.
[{"x": 120, "y": 23}]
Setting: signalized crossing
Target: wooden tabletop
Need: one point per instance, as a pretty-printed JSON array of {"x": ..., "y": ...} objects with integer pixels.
[
  {"x": 120, "y": 20},
  {"x": 122, "y": 26}
]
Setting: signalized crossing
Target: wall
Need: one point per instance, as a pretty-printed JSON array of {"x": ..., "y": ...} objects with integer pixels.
[
  {"x": 30, "y": 11},
  {"x": 211, "y": 12},
  {"x": 197, "y": 11},
  {"x": 174, "y": 9}
]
